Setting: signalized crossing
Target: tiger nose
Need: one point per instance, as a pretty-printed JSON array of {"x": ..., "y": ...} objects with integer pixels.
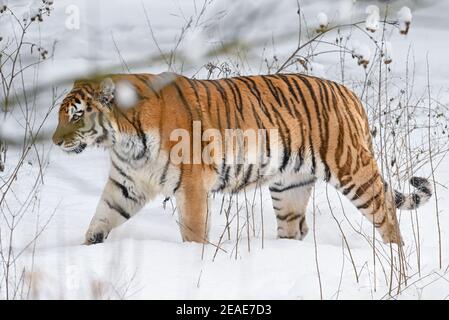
[{"x": 57, "y": 141}]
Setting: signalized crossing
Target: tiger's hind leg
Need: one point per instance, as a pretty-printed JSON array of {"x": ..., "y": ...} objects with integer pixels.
[
  {"x": 363, "y": 185},
  {"x": 290, "y": 198}
]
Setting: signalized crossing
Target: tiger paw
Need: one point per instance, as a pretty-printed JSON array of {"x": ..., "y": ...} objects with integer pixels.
[{"x": 97, "y": 233}]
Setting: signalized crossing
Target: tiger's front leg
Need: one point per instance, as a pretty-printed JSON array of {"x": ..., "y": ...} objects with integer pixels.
[
  {"x": 193, "y": 203},
  {"x": 119, "y": 202}
]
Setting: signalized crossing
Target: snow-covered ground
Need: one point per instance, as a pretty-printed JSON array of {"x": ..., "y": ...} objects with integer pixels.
[{"x": 145, "y": 258}]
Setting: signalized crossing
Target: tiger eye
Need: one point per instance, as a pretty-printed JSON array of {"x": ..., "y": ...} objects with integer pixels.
[{"x": 89, "y": 109}]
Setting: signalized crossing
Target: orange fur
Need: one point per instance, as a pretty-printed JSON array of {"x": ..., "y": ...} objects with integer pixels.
[{"x": 323, "y": 127}]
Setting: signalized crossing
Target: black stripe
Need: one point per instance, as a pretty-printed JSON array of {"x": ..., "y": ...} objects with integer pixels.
[
  {"x": 206, "y": 88},
  {"x": 260, "y": 125},
  {"x": 368, "y": 203},
  {"x": 90, "y": 130},
  {"x": 163, "y": 179},
  {"x": 293, "y": 186},
  {"x": 289, "y": 217},
  {"x": 416, "y": 200},
  {"x": 307, "y": 111},
  {"x": 306, "y": 82},
  {"x": 273, "y": 91},
  {"x": 301, "y": 222},
  {"x": 118, "y": 209},
  {"x": 256, "y": 93},
  {"x": 178, "y": 184},
  {"x": 363, "y": 188},
  {"x": 422, "y": 184},
  {"x": 292, "y": 218},
  {"x": 283, "y": 101},
  {"x": 299, "y": 159},
  {"x": 340, "y": 139},
  {"x": 142, "y": 137},
  {"x": 399, "y": 199},
  {"x": 148, "y": 83},
  {"x": 325, "y": 139},
  {"x": 286, "y": 144},
  {"x": 120, "y": 171},
  {"x": 184, "y": 101},
  {"x": 349, "y": 114},
  {"x": 247, "y": 177},
  {"x": 234, "y": 109},
  {"x": 239, "y": 168},
  {"x": 192, "y": 84},
  {"x": 121, "y": 158},
  {"x": 105, "y": 131},
  {"x": 217, "y": 106},
  {"x": 289, "y": 86},
  {"x": 286, "y": 139},
  {"x": 225, "y": 100},
  {"x": 123, "y": 189},
  {"x": 225, "y": 178},
  {"x": 237, "y": 96},
  {"x": 348, "y": 189}
]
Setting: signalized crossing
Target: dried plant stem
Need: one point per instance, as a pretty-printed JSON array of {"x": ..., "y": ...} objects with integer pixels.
[
  {"x": 316, "y": 246},
  {"x": 344, "y": 239},
  {"x": 437, "y": 209}
]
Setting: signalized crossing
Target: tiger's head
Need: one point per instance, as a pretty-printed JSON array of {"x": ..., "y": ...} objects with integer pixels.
[{"x": 86, "y": 116}]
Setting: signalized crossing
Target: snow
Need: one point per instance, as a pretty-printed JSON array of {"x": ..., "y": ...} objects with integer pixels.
[
  {"x": 372, "y": 21},
  {"x": 361, "y": 52},
  {"x": 404, "y": 19},
  {"x": 145, "y": 257},
  {"x": 322, "y": 20},
  {"x": 405, "y": 15},
  {"x": 125, "y": 94},
  {"x": 388, "y": 52}
]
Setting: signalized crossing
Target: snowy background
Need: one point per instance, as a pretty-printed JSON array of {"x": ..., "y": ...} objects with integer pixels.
[{"x": 50, "y": 197}]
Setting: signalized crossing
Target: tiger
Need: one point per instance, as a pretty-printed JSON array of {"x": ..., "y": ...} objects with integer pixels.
[{"x": 322, "y": 129}]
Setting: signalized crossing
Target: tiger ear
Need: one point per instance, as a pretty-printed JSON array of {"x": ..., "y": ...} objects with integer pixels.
[{"x": 107, "y": 90}]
